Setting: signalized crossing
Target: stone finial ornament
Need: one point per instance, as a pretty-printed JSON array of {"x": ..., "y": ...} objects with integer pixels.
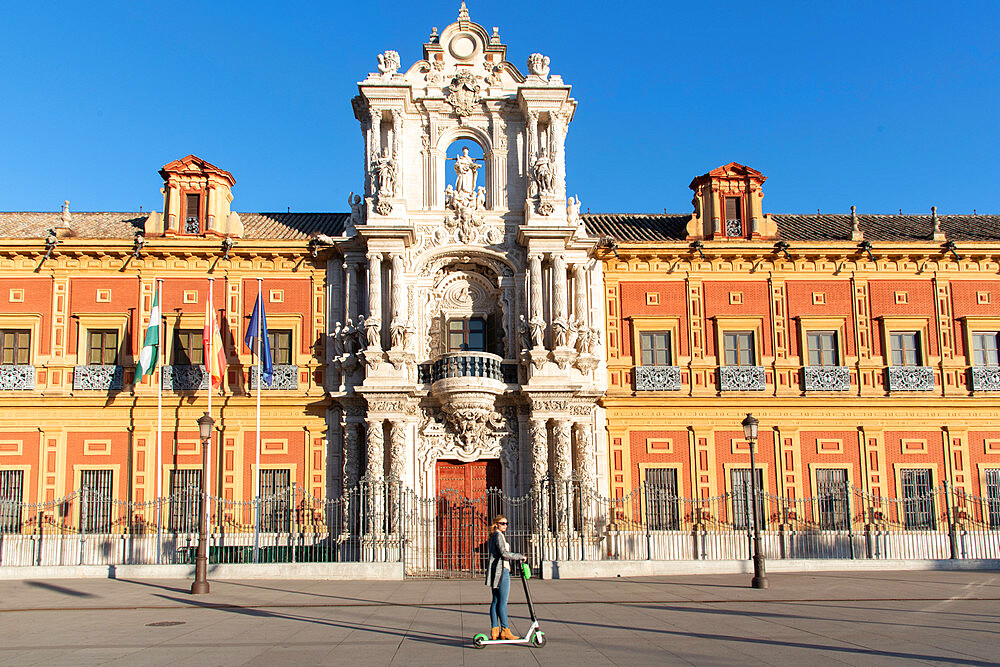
[
  {"x": 539, "y": 66},
  {"x": 388, "y": 63},
  {"x": 66, "y": 216}
]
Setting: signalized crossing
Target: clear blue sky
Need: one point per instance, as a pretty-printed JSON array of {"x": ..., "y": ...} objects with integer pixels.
[{"x": 885, "y": 105}]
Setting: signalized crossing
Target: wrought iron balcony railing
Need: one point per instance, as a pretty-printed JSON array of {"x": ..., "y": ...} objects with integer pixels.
[
  {"x": 15, "y": 378},
  {"x": 911, "y": 378},
  {"x": 986, "y": 378},
  {"x": 657, "y": 378},
  {"x": 741, "y": 378},
  {"x": 467, "y": 365},
  {"x": 98, "y": 378},
  {"x": 183, "y": 378},
  {"x": 827, "y": 378},
  {"x": 286, "y": 376}
]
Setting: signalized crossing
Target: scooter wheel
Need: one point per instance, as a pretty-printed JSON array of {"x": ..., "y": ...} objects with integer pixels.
[
  {"x": 479, "y": 641},
  {"x": 538, "y": 639}
]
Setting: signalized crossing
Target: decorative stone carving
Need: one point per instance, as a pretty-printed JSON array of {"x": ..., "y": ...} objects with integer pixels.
[
  {"x": 463, "y": 93},
  {"x": 986, "y": 378},
  {"x": 375, "y": 470},
  {"x": 13, "y": 378},
  {"x": 546, "y": 208},
  {"x": 911, "y": 378},
  {"x": 539, "y": 435},
  {"x": 585, "y": 468},
  {"x": 741, "y": 378},
  {"x": 563, "y": 450},
  {"x": 543, "y": 174},
  {"x": 397, "y": 449},
  {"x": 384, "y": 169},
  {"x": 657, "y": 378},
  {"x": 388, "y": 64},
  {"x": 827, "y": 378},
  {"x": 97, "y": 378},
  {"x": 539, "y": 66},
  {"x": 352, "y": 455},
  {"x": 285, "y": 377}
]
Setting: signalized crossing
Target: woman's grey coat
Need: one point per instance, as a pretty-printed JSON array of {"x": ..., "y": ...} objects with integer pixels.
[{"x": 498, "y": 554}]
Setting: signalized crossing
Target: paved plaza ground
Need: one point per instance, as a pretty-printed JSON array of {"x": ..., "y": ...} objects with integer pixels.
[{"x": 824, "y": 618}]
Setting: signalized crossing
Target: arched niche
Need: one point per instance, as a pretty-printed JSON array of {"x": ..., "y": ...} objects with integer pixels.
[{"x": 444, "y": 167}]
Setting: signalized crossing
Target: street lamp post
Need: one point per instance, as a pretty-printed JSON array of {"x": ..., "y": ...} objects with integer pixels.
[
  {"x": 200, "y": 585},
  {"x": 759, "y": 575}
]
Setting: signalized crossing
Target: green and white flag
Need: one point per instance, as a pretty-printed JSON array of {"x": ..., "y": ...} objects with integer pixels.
[{"x": 150, "y": 344}]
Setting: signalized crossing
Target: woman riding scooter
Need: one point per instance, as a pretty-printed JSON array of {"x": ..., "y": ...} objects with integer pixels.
[{"x": 498, "y": 578}]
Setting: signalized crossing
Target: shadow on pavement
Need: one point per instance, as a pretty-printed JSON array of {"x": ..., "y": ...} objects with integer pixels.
[{"x": 60, "y": 589}]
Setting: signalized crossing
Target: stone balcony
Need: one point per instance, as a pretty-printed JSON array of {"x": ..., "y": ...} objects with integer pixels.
[
  {"x": 183, "y": 378},
  {"x": 826, "y": 378},
  {"x": 985, "y": 378},
  {"x": 657, "y": 378},
  {"x": 98, "y": 378},
  {"x": 467, "y": 384},
  {"x": 17, "y": 378},
  {"x": 285, "y": 377},
  {"x": 911, "y": 378},
  {"x": 741, "y": 378}
]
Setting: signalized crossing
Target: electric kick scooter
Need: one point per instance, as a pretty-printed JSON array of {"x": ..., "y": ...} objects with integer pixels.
[{"x": 534, "y": 637}]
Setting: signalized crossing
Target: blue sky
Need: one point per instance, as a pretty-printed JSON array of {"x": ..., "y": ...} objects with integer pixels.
[{"x": 885, "y": 105}]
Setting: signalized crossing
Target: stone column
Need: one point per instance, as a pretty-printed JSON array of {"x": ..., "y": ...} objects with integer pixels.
[
  {"x": 373, "y": 325},
  {"x": 397, "y": 303},
  {"x": 585, "y": 467},
  {"x": 560, "y": 325},
  {"x": 397, "y": 464},
  {"x": 535, "y": 318},
  {"x": 532, "y": 138},
  {"x": 538, "y": 432},
  {"x": 557, "y": 141},
  {"x": 580, "y": 315},
  {"x": 375, "y": 459},
  {"x": 397, "y": 149},
  {"x": 563, "y": 469},
  {"x": 352, "y": 456},
  {"x": 374, "y": 147}
]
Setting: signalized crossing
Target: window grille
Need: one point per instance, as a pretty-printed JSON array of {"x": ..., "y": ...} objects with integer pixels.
[
  {"x": 275, "y": 515},
  {"x": 918, "y": 504},
  {"x": 185, "y": 500},
  {"x": 96, "y": 501},
  {"x": 831, "y": 487},
  {"x": 993, "y": 496},
  {"x": 661, "y": 499},
  {"x": 740, "y": 479},
  {"x": 11, "y": 497}
]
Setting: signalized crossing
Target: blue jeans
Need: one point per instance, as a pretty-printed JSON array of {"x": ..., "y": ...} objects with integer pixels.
[{"x": 498, "y": 607}]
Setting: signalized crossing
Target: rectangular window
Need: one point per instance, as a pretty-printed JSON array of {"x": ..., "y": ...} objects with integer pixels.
[
  {"x": 467, "y": 334},
  {"x": 281, "y": 346},
  {"x": 185, "y": 500},
  {"x": 192, "y": 214},
  {"x": 11, "y": 489},
  {"x": 740, "y": 479},
  {"x": 734, "y": 217},
  {"x": 993, "y": 497},
  {"x": 831, "y": 489},
  {"x": 905, "y": 348},
  {"x": 96, "y": 500},
  {"x": 984, "y": 349},
  {"x": 918, "y": 501},
  {"x": 738, "y": 348},
  {"x": 15, "y": 347},
  {"x": 655, "y": 347},
  {"x": 822, "y": 348},
  {"x": 188, "y": 348},
  {"x": 661, "y": 499},
  {"x": 275, "y": 486},
  {"x": 102, "y": 347}
]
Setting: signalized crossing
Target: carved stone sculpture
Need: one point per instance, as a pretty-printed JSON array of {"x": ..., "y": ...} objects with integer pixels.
[
  {"x": 357, "y": 210},
  {"x": 463, "y": 93},
  {"x": 543, "y": 173},
  {"x": 573, "y": 211},
  {"x": 388, "y": 63},
  {"x": 376, "y": 450},
  {"x": 537, "y": 325},
  {"x": 539, "y": 65},
  {"x": 337, "y": 340},
  {"x": 466, "y": 171},
  {"x": 373, "y": 333},
  {"x": 385, "y": 175},
  {"x": 538, "y": 434}
]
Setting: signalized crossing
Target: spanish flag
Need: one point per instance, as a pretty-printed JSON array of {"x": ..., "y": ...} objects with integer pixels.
[{"x": 215, "y": 355}]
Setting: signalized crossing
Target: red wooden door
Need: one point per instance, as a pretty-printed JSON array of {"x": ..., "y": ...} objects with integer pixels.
[{"x": 463, "y": 513}]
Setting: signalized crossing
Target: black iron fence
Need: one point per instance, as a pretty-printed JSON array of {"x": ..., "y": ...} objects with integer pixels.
[{"x": 381, "y": 521}]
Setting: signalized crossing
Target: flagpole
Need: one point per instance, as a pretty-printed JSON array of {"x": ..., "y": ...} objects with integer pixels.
[
  {"x": 260, "y": 381},
  {"x": 158, "y": 377},
  {"x": 208, "y": 367}
]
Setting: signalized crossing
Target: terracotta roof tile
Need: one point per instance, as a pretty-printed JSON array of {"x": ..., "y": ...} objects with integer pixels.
[
  {"x": 823, "y": 227},
  {"x": 638, "y": 227}
]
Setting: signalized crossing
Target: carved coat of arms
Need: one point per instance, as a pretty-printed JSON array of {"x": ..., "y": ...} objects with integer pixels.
[{"x": 463, "y": 92}]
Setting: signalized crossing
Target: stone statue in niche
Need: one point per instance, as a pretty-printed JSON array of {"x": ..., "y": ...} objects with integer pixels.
[
  {"x": 388, "y": 63},
  {"x": 466, "y": 171},
  {"x": 539, "y": 66},
  {"x": 465, "y": 198},
  {"x": 385, "y": 174},
  {"x": 537, "y": 325},
  {"x": 373, "y": 332},
  {"x": 337, "y": 340},
  {"x": 543, "y": 172}
]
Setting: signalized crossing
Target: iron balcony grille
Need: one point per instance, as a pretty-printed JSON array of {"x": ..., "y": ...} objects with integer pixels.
[
  {"x": 741, "y": 378},
  {"x": 183, "y": 378},
  {"x": 286, "y": 376},
  {"x": 657, "y": 378},
  {"x": 827, "y": 378},
  {"x": 17, "y": 378},
  {"x": 467, "y": 365},
  {"x": 986, "y": 378},
  {"x": 911, "y": 378},
  {"x": 97, "y": 378}
]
